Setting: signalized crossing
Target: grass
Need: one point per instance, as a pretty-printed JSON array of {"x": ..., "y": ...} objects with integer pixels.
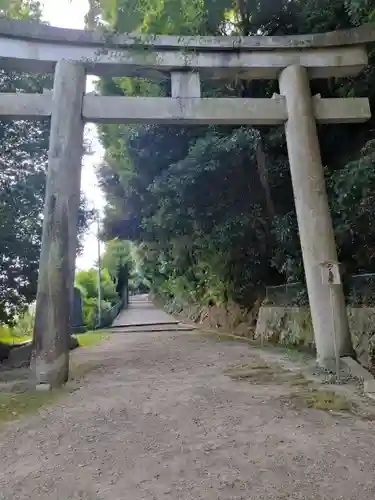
[
  {"x": 16, "y": 404},
  {"x": 323, "y": 400},
  {"x": 261, "y": 373},
  {"x": 85, "y": 339},
  {"x": 305, "y": 393},
  {"x": 247, "y": 370},
  {"x": 223, "y": 336},
  {"x": 291, "y": 353},
  {"x": 12, "y": 339},
  {"x": 262, "y": 376},
  {"x": 79, "y": 370},
  {"x": 298, "y": 379},
  {"x": 91, "y": 338}
]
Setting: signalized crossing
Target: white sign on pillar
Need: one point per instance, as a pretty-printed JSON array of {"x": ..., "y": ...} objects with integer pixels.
[{"x": 330, "y": 273}]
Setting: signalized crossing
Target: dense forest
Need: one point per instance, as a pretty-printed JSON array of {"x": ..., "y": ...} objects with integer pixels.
[{"x": 212, "y": 207}]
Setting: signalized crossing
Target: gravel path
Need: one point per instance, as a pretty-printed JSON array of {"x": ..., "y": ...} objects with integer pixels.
[
  {"x": 142, "y": 312},
  {"x": 160, "y": 420}
]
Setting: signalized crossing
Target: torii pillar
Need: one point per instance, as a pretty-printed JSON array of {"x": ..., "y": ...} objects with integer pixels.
[
  {"x": 50, "y": 358},
  {"x": 313, "y": 214}
]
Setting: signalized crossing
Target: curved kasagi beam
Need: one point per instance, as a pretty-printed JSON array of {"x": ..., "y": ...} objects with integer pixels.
[
  {"x": 32, "y": 31},
  {"x": 33, "y": 47}
]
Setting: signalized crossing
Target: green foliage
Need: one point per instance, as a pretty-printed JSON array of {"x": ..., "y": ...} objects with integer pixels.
[
  {"x": 87, "y": 282},
  {"x": 20, "y": 9},
  {"x": 360, "y": 10},
  {"x": 212, "y": 207},
  {"x": 23, "y": 165},
  {"x": 15, "y": 405},
  {"x": 25, "y": 324},
  {"x": 117, "y": 253},
  {"x": 353, "y": 201},
  {"x": 21, "y": 331},
  {"x": 89, "y": 339}
]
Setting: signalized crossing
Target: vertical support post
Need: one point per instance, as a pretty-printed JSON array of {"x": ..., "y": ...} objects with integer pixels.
[
  {"x": 99, "y": 272},
  {"x": 50, "y": 358},
  {"x": 314, "y": 219},
  {"x": 185, "y": 84}
]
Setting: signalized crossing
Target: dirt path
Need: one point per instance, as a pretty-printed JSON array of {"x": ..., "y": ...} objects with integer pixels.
[{"x": 160, "y": 420}]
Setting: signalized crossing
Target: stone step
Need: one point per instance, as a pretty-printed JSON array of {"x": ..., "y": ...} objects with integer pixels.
[{"x": 166, "y": 327}]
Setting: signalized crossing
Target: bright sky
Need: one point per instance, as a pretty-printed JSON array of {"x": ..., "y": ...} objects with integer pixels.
[{"x": 70, "y": 14}]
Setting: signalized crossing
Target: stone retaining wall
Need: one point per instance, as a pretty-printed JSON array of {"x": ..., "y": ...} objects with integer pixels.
[{"x": 292, "y": 326}]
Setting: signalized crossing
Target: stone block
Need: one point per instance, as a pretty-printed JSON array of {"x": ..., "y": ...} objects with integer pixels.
[
  {"x": 369, "y": 386},
  {"x": 43, "y": 387},
  {"x": 285, "y": 325},
  {"x": 356, "y": 370},
  {"x": 4, "y": 352}
]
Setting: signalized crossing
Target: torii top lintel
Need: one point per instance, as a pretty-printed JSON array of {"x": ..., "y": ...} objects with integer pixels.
[{"x": 34, "y": 47}]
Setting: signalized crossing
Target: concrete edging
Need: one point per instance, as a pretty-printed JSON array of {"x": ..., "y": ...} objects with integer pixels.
[{"x": 357, "y": 371}]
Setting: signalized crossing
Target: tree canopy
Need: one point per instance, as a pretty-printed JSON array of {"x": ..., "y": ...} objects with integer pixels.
[
  {"x": 211, "y": 206},
  {"x": 117, "y": 254}
]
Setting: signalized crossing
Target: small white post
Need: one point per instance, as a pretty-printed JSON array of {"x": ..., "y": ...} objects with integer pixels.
[
  {"x": 331, "y": 278},
  {"x": 99, "y": 272}
]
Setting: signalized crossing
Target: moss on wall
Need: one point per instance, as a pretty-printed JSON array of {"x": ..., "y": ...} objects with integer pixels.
[{"x": 292, "y": 326}]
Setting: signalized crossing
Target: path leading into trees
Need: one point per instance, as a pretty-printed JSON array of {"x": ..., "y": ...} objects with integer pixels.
[
  {"x": 160, "y": 420},
  {"x": 141, "y": 312}
]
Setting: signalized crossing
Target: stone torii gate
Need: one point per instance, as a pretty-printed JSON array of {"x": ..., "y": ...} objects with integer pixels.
[{"x": 71, "y": 54}]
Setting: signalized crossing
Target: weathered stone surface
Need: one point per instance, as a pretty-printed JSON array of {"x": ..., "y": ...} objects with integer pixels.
[
  {"x": 346, "y": 110},
  {"x": 185, "y": 110},
  {"x": 185, "y": 84},
  {"x": 20, "y": 356},
  {"x": 104, "y": 109},
  {"x": 32, "y": 31},
  {"x": 313, "y": 215},
  {"x": 21, "y": 106},
  {"x": 164, "y": 110},
  {"x": 292, "y": 326},
  {"x": 54, "y": 299},
  {"x": 20, "y": 55},
  {"x": 4, "y": 351},
  {"x": 362, "y": 327},
  {"x": 285, "y": 325},
  {"x": 43, "y": 387},
  {"x": 35, "y": 48},
  {"x": 369, "y": 386},
  {"x": 73, "y": 343},
  {"x": 356, "y": 370}
]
